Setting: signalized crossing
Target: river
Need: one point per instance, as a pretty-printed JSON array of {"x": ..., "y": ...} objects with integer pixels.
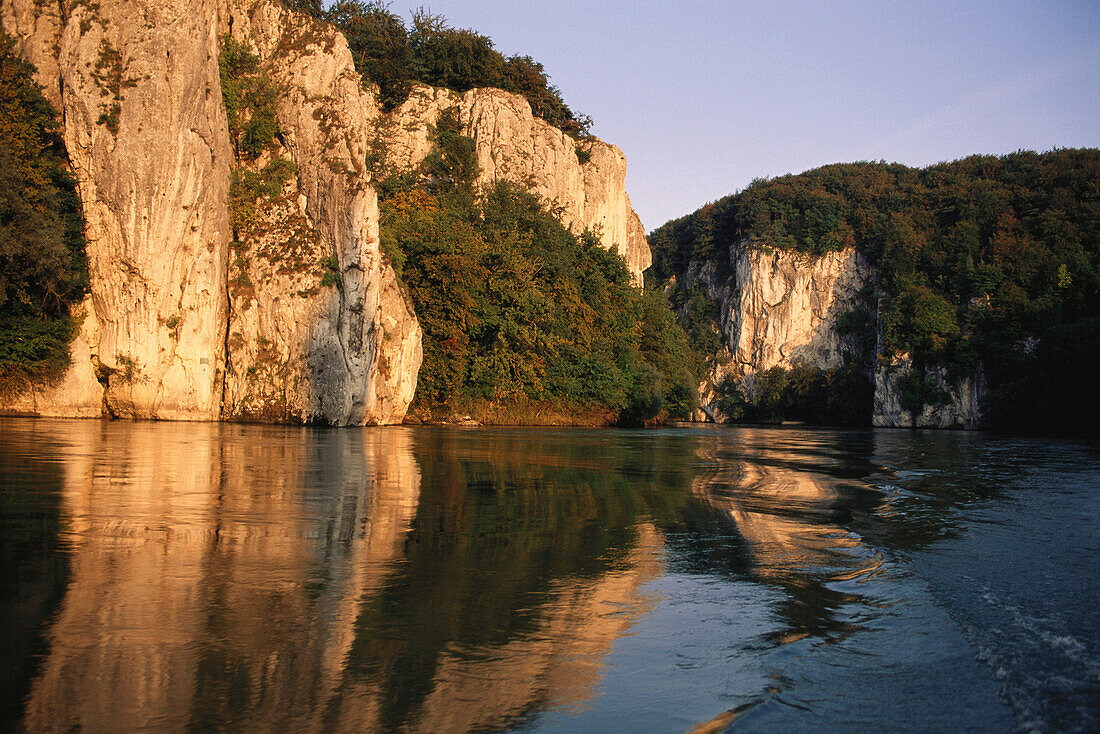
[{"x": 220, "y": 577}]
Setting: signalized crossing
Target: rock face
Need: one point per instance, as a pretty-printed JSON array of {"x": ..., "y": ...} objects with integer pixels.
[
  {"x": 514, "y": 145},
  {"x": 961, "y": 406},
  {"x": 318, "y": 328},
  {"x": 781, "y": 309},
  {"x": 146, "y": 135},
  {"x": 291, "y": 327},
  {"x": 787, "y": 308}
]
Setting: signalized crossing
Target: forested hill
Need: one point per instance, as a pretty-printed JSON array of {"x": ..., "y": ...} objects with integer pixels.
[{"x": 987, "y": 259}]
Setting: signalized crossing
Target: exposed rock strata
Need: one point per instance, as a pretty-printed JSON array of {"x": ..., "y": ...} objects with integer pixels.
[{"x": 514, "y": 145}]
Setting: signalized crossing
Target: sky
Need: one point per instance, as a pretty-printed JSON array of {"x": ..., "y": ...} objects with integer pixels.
[{"x": 703, "y": 96}]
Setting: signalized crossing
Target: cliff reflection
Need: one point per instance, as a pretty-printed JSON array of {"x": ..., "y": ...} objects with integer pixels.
[
  {"x": 267, "y": 578},
  {"x": 213, "y": 571},
  {"x": 792, "y": 509},
  {"x": 524, "y": 565}
]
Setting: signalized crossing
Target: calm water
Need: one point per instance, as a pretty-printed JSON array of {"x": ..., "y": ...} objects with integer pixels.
[{"x": 219, "y": 577}]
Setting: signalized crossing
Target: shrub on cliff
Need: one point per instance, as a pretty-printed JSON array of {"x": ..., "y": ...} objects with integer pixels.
[{"x": 42, "y": 265}]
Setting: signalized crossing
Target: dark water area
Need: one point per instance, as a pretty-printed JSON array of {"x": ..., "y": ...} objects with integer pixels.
[{"x": 214, "y": 577}]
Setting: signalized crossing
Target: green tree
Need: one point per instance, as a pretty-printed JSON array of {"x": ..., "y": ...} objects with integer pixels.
[
  {"x": 42, "y": 264},
  {"x": 379, "y": 44}
]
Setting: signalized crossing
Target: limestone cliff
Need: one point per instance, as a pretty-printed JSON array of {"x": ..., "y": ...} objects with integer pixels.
[
  {"x": 297, "y": 316},
  {"x": 514, "y": 145},
  {"x": 183, "y": 323},
  {"x": 138, "y": 88},
  {"x": 318, "y": 329},
  {"x": 782, "y": 309},
  {"x": 779, "y": 309}
]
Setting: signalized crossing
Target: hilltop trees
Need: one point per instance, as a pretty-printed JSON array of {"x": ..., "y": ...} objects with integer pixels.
[{"x": 395, "y": 56}]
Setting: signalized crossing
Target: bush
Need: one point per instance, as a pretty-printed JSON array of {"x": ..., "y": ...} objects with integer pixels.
[{"x": 249, "y": 97}]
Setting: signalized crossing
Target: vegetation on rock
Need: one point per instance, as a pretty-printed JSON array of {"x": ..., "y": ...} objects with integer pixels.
[
  {"x": 990, "y": 260},
  {"x": 395, "y": 56},
  {"x": 42, "y": 264},
  {"x": 518, "y": 310},
  {"x": 838, "y": 397}
]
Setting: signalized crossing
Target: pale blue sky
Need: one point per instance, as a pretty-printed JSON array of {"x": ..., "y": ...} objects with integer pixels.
[{"x": 703, "y": 96}]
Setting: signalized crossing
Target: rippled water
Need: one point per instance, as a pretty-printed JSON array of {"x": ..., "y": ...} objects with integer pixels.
[{"x": 220, "y": 577}]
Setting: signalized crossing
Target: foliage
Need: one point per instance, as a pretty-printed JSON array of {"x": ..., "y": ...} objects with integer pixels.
[
  {"x": 698, "y": 316},
  {"x": 395, "y": 56},
  {"x": 918, "y": 390},
  {"x": 332, "y": 272},
  {"x": 838, "y": 397},
  {"x": 379, "y": 45},
  {"x": 975, "y": 257},
  {"x": 247, "y": 186},
  {"x": 517, "y": 309},
  {"x": 452, "y": 162},
  {"x": 108, "y": 76},
  {"x": 249, "y": 96},
  {"x": 42, "y": 264}
]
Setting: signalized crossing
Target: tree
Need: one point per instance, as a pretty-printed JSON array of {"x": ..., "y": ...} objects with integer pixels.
[{"x": 42, "y": 265}]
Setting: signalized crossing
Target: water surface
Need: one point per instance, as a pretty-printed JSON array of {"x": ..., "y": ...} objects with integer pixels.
[{"x": 169, "y": 577}]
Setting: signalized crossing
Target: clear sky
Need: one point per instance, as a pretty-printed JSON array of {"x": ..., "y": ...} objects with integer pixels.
[{"x": 705, "y": 95}]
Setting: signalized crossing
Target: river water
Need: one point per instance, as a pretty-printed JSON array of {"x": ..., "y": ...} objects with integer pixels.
[{"x": 168, "y": 577}]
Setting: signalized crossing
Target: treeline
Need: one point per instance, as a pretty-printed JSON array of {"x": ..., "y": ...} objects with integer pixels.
[
  {"x": 395, "y": 56},
  {"x": 42, "y": 264},
  {"x": 520, "y": 316},
  {"x": 987, "y": 259}
]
